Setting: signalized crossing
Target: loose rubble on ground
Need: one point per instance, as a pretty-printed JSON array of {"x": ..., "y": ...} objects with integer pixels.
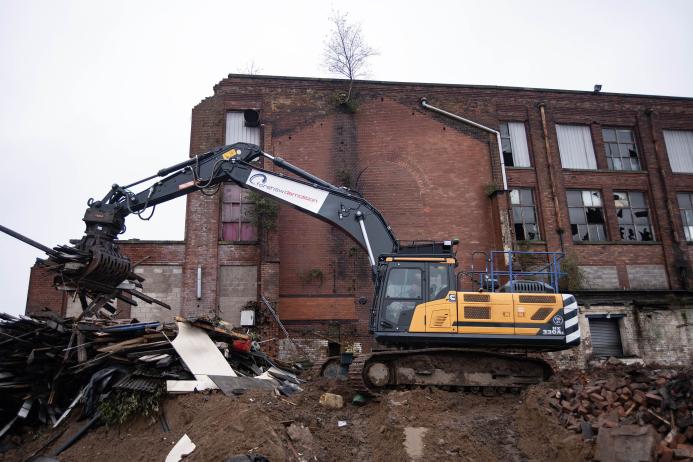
[{"x": 95, "y": 389}]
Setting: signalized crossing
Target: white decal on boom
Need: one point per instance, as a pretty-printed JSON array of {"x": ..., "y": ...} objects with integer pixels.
[{"x": 301, "y": 195}]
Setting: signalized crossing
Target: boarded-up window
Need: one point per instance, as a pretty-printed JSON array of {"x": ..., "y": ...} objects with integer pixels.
[
  {"x": 680, "y": 150},
  {"x": 237, "y": 215},
  {"x": 575, "y": 146}
]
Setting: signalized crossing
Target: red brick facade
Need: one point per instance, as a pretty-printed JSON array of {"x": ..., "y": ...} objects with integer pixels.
[{"x": 431, "y": 176}]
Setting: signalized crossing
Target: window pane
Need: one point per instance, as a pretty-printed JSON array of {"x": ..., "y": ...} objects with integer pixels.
[
  {"x": 517, "y": 214},
  {"x": 645, "y": 233},
  {"x": 594, "y": 215},
  {"x": 577, "y": 216},
  {"x": 574, "y": 198},
  {"x": 620, "y": 199},
  {"x": 520, "y": 232},
  {"x": 230, "y": 212},
  {"x": 624, "y": 216},
  {"x": 642, "y": 216},
  {"x": 515, "y": 196},
  {"x": 625, "y": 136},
  {"x": 248, "y": 232},
  {"x": 587, "y": 198},
  {"x": 507, "y": 147},
  {"x": 684, "y": 200},
  {"x": 526, "y": 197},
  {"x": 596, "y": 198},
  {"x": 437, "y": 282},
  {"x": 528, "y": 213},
  {"x": 609, "y": 134},
  {"x": 504, "y": 129},
  {"x": 627, "y": 232},
  {"x": 230, "y": 232},
  {"x": 617, "y": 164},
  {"x": 637, "y": 199},
  {"x": 404, "y": 283},
  {"x": 689, "y": 217},
  {"x": 532, "y": 232},
  {"x": 689, "y": 233}
]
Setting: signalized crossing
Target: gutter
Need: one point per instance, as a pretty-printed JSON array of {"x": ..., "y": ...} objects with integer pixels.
[{"x": 424, "y": 103}]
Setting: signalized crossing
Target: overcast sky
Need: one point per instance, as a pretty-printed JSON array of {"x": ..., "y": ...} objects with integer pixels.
[{"x": 95, "y": 92}]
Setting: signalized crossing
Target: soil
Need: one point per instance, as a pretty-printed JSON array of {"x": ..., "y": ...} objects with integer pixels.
[{"x": 441, "y": 425}]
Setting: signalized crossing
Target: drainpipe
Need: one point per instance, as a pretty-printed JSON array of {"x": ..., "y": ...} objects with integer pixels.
[
  {"x": 552, "y": 179},
  {"x": 424, "y": 103},
  {"x": 505, "y": 237}
]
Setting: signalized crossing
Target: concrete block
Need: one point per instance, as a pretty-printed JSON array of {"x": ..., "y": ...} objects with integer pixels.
[{"x": 629, "y": 443}]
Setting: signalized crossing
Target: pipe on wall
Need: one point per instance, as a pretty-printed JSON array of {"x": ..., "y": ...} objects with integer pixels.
[
  {"x": 552, "y": 178},
  {"x": 424, "y": 103}
]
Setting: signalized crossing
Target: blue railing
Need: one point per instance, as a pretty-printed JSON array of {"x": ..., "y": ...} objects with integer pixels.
[{"x": 502, "y": 273}]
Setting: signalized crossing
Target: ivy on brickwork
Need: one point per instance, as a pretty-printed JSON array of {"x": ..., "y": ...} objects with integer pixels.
[
  {"x": 311, "y": 275},
  {"x": 573, "y": 278},
  {"x": 265, "y": 213}
]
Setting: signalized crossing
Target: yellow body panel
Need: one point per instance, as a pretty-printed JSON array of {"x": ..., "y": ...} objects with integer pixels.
[
  {"x": 486, "y": 313},
  {"x": 479, "y": 308},
  {"x": 536, "y": 308},
  {"x": 418, "y": 321}
]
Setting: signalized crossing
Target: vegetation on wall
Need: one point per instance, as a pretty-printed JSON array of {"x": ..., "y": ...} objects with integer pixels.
[
  {"x": 314, "y": 274},
  {"x": 573, "y": 278},
  {"x": 265, "y": 213}
]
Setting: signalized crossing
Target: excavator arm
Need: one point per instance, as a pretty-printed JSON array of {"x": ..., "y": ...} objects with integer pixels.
[{"x": 95, "y": 268}]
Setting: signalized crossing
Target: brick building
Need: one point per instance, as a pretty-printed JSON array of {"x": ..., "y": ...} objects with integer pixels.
[{"x": 605, "y": 178}]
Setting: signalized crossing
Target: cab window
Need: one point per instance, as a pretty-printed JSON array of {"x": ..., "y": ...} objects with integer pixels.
[
  {"x": 404, "y": 283},
  {"x": 438, "y": 282}
]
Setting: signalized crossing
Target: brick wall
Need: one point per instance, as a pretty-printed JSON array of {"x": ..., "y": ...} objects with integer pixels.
[{"x": 652, "y": 336}]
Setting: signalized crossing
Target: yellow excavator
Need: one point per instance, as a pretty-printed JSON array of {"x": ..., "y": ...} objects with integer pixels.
[{"x": 432, "y": 332}]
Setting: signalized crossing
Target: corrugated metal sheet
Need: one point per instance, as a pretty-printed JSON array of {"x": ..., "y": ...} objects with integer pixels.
[
  {"x": 606, "y": 337},
  {"x": 237, "y": 132}
]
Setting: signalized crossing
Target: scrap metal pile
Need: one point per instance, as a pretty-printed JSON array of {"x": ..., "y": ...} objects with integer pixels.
[{"x": 49, "y": 364}]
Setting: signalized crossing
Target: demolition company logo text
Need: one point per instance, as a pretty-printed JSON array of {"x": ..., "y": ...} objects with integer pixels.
[{"x": 259, "y": 180}]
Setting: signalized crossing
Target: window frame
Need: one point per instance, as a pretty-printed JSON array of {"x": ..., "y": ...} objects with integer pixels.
[
  {"x": 608, "y": 149},
  {"x": 587, "y": 223},
  {"x": 504, "y": 126},
  {"x": 593, "y": 148},
  {"x": 242, "y": 218},
  {"x": 631, "y": 209},
  {"x": 521, "y": 205},
  {"x": 687, "y": 226}
]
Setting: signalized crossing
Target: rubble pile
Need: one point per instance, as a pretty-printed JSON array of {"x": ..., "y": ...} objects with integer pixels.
[
  {"x": 50, "y": 365},
  {"x": 612, "y": 397}
]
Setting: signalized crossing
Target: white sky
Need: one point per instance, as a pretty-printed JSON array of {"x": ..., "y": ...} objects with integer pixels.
[{"x": 93, "y": 93}]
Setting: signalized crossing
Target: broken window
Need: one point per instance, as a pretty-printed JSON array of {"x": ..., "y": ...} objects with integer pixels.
[
  {"x": 514, "y": 144},
  {"x": 524, "y": 215},
  {"x": 621, "y": 151},
  {"x": 236, "y": 215},
  {"x": 633, "y": 216},
  {"x": 686, "y": 207},
  {"x": 586, "y": 215}
]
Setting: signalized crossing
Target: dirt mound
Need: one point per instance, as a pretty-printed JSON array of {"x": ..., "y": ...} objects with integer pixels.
[{"x": 420, "y": 424}]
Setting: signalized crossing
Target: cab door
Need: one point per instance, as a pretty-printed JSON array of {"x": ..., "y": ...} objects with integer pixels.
[{"x": 441, "y": 298}]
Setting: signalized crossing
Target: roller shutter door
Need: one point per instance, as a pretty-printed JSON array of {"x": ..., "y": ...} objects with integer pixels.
[{"x": 606, "y": 337}]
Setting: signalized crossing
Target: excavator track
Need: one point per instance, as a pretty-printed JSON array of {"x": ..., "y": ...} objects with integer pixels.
[
  {"x": 478, "y": 371},
  {"x": 328, "y": 367}
]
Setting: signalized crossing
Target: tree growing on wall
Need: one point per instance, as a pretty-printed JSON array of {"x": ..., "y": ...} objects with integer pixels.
[{"x": 346, "y": 51}]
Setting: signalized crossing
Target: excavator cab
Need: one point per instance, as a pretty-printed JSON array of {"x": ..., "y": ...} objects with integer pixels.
[{"x": 419, "y": 275}]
